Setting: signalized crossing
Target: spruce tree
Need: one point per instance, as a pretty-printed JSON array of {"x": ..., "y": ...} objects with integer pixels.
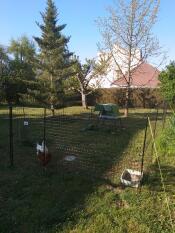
[{"x": 55, "y": 58}]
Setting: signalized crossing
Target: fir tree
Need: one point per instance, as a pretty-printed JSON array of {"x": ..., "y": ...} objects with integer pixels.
[{"x": 54, "y": 56}]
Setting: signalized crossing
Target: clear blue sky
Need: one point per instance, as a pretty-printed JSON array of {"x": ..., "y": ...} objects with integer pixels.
[{"x": 17, "y": 17}]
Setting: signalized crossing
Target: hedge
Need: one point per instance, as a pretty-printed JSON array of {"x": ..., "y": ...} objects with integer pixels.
[{"x": 145, "y": 97}]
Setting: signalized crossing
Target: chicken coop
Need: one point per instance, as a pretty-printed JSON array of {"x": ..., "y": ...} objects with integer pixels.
[
  {"x": 107, "y": 111},
  {"x": 108, "y": 114}
]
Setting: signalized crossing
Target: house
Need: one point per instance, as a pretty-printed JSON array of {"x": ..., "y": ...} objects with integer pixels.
[
  {"x": 119, "y": 56},
  {"x": 144, "y": 76}
]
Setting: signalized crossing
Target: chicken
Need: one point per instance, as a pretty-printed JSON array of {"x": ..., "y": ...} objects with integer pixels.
[{"x": 43, "y": 155}]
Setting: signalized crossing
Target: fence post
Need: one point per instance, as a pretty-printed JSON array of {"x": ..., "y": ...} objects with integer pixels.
[
  {"x": 11, "y": 135},
  {"x": 44, "y": 134},
  {"x": 164, "y": 115},
  {"x": 143, "y": 151},
  {"x": 155, "y": 128}
]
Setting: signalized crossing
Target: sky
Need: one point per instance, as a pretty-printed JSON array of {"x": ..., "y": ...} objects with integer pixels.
[{"x": 18, "y": 17}]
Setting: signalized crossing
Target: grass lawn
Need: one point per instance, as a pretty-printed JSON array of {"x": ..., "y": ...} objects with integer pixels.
[{"x": 85, "y": 195}]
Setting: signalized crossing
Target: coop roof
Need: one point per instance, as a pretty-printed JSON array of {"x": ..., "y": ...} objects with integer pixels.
[{"x": 108, "y": 109}]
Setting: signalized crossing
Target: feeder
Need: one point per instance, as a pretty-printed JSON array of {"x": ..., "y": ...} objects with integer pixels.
[
  {"x": 26, "y": 123},
  {"x": 69, "y": 158},
  {"x": 131, "y": 178},
  {"x": 107, "y": 111}
]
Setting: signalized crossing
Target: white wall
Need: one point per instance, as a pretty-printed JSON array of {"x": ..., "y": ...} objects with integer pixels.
[{"x": 113, "y": 72}]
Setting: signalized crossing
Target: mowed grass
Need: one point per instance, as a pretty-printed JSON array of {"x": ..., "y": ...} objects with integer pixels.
[
  {"x": 83, "y": 196},
  {"x": 38, "y": 112}
]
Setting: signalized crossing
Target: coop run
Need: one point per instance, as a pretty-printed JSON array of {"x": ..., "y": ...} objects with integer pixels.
[{"x": 80, "y": 142}]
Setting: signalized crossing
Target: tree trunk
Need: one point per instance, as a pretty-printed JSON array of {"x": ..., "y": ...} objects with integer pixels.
[
  {"x": 127, "y": 102},
  {"x": 144, "y": 101},
  {"x": 51, "y": 96},
  {"x": 84, "y": 100}
]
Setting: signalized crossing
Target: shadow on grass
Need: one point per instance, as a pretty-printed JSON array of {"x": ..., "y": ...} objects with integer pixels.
[{"x": 34, "y": 199}]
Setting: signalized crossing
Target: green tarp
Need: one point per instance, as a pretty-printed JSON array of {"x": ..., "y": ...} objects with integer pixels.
[{"x": 107, "y": 109}]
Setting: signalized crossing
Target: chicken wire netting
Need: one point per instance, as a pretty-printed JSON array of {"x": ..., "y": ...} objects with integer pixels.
[
  {"x": 83, "y": 145},
  {"x": 81, "y": 142}
]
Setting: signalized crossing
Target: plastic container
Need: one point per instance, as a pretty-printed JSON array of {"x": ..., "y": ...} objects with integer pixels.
[{"x": 131, "y": 178}]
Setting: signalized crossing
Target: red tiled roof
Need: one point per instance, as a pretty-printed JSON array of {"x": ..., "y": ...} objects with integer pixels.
[{"x": 144, "y": 76}]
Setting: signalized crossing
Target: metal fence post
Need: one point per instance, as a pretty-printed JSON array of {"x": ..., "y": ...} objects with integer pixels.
[
  {"x": 44, "y": 133},
  {"x": 143, "y": 151},
  {"x": 155, "y": 128},
  {"x": 11, "y": 135}
]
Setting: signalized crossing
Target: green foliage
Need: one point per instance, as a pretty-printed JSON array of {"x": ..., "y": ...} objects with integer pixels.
[
  {"x": 4, "y": 59},
  {"x": 23, "y": 50},
  {"x": 167, "y": 78},
  {"x": 54, "y": 58},
  {"x": 4, "y": 67},
  {"x": 21, "y": 73},
  {"x": 166, "y": 141}
]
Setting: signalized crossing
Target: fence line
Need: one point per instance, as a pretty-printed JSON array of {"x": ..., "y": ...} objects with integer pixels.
[
  {"x": 161, "y": 176},
  {"x": 63, "y": 135}
]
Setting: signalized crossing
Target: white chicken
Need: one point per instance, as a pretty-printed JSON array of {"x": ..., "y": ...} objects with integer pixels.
[
  {"x": 40, "y": 148},
  {"x": 43, "y": 155}
]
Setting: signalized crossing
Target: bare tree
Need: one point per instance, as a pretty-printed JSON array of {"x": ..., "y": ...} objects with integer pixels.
[
  {"x": 86, "y": 77},
  {"x": 127, "y": 36}
]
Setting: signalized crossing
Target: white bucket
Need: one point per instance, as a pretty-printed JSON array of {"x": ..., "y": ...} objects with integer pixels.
[
  {"x": 69, "y": 158},
  {"x": 131, "y": 178}
]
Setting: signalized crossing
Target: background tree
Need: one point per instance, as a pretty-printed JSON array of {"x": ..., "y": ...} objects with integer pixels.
[
  {"x": 54, "y": 56},
  {"x": 127, "y": 33},
  {"x": 23, "y": 50},
  {"x": 167, "y": 86},
  {"x": 84, "y": 75},
  {"x": 21, "y": 79},
  {"x": 4, "y": 67},
  {"x": 4, "y": 60}
]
